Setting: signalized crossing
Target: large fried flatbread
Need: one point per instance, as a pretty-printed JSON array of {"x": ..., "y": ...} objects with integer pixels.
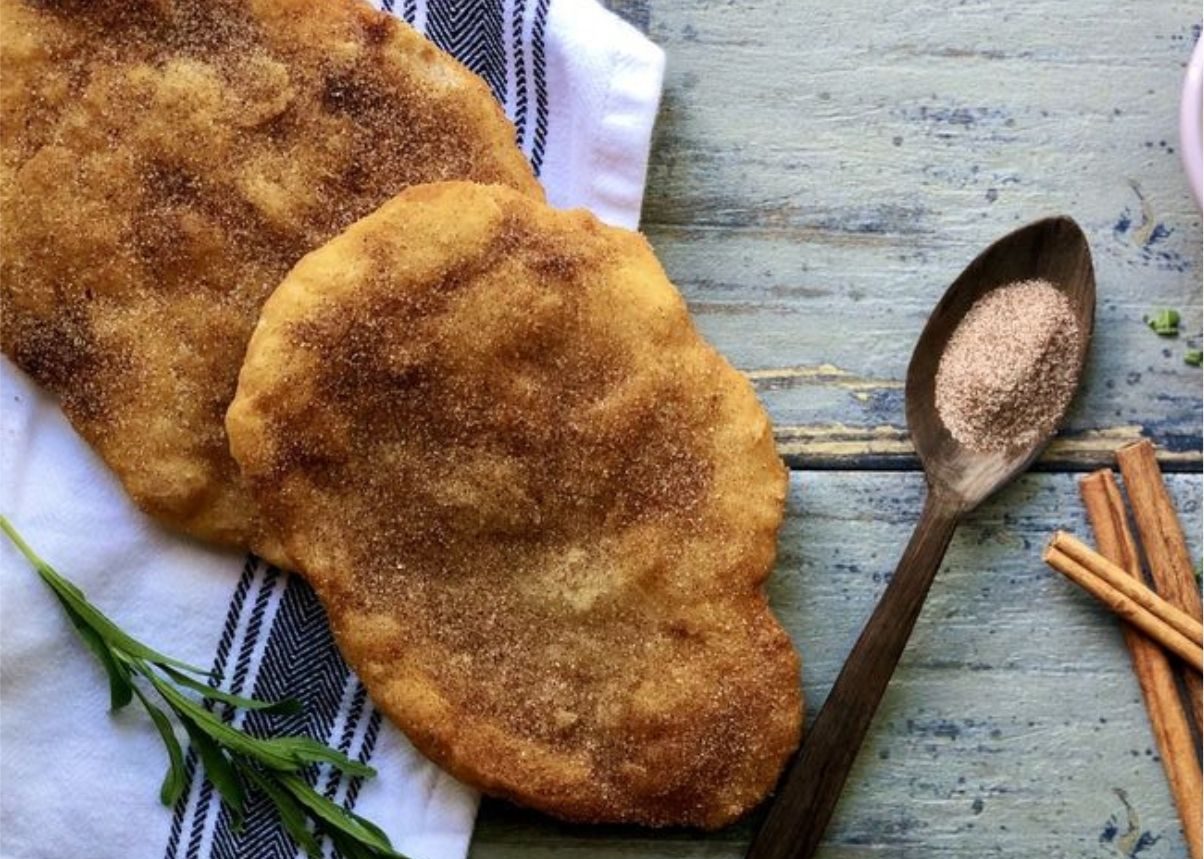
[
  {"x": 538, "y": 507},
  {"x": 164, "y": 163}
]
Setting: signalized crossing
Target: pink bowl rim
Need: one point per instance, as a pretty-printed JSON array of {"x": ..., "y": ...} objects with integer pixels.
[{"x": 1191, "y": 146}]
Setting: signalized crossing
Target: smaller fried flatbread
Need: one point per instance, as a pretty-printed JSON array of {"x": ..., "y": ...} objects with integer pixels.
[{"x": 537, "y": 506}]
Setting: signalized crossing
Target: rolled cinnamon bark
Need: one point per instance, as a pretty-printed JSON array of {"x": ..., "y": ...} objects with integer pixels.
[
  {"x": 1168, "y": 718},
  {"x": 1165, "y": 547}
]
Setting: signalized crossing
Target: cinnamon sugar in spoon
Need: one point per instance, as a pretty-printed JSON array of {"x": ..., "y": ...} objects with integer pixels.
[{"x": 960, "y": 477}]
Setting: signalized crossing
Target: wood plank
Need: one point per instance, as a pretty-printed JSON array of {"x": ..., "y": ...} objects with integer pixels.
[
  {"x": 888, "y": 448},
  {"x": 1014, "y": 726},
  {"x": 821, "y": 172}
]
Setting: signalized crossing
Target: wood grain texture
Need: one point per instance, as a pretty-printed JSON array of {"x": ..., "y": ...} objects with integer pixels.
[
  {"x": 821, "y": 172},
  {"x": 1013, "y": 727}
]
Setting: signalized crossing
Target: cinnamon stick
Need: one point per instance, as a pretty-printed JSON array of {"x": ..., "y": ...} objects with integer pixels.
[
  {"x": 1165, "y": 547},
  {"x": 1132, "y": 600},
  {"x": 1168, "y": 720}
]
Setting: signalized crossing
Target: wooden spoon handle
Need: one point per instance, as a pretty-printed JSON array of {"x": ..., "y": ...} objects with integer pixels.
[{"x": 808, "y": 793}]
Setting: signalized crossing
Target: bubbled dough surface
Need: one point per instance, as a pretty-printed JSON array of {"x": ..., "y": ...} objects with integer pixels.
[
  {"x": 164, "y": 163},
  {"x": 538, "y": 507}
]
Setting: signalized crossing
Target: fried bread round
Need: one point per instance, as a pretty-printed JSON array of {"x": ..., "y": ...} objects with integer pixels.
[
  {"x": 538, "y": 507},
  {"x": 163, "y": 164}
]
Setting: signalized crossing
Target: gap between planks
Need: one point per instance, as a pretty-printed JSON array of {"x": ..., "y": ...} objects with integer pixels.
[
  {"x": 844, "y": 447},
  {"x": 839, "y": 447}
]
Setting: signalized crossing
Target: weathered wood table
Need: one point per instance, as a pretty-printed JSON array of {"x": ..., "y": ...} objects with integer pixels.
[{"x": 821, "y": 172}]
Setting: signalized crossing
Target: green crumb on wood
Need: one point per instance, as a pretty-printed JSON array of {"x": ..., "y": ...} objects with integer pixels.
[{"x": 1165, "y": 322}]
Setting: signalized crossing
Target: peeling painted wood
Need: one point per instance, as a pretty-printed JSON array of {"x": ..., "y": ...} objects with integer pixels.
[
  {"x": 1014, "y": 726},
  {"x": 888, "y": 448},
  {"x": 821, "y": 172}
]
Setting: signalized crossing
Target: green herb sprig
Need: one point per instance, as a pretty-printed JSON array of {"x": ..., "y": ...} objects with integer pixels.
[{"x": 234, "y": 761}]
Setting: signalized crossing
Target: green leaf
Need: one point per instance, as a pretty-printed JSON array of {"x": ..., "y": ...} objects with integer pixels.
[
  {"x": 1165, "y": 322},
  {"x": 71, "y": 595},
  {"x": 272, "y": 765},
  {"x": 368, "y": 850},
  {"x": 290, "y": 812},
  {"x": 288, "y": 706},
  {"x": 335, "y": 817},
  {"x": 173, "y": 782},
  {"x": 219, "y": 771},
  {"x": 349, "y": 848},
  {"x": 225, "y": 735},
  {"x": 113, "y": 635},
  {"x": 1194, "y": 357},
  {"x": 371, "y": 827},
  {"x": 308, "y": 751},
  {"x": 121, "y": 690}
]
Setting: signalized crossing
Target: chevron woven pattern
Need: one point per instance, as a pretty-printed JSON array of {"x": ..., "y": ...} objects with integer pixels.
[{"x": 472, "y": 31}]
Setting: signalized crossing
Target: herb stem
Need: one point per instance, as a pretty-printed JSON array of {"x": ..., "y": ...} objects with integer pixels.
[
  {"x": 274, "y": 766},
  {"x": 23, "y": 547}
]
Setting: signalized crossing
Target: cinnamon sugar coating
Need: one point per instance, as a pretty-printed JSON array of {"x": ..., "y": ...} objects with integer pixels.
[
  {"x": 539, "y": 508},
  {"x": 1009, "y": 371},
  {"x": 163, "y": 164}
]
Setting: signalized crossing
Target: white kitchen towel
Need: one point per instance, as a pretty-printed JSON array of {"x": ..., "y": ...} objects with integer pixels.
[{"x": 582, "y": 88}]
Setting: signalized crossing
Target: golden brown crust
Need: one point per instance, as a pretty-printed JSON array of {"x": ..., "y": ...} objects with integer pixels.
[
  {"x": 164, "y": 163},
  {"x": 538, "y": 507}
]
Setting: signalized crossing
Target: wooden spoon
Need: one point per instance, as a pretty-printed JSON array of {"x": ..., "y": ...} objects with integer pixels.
[{"x": 959, "y": 479}]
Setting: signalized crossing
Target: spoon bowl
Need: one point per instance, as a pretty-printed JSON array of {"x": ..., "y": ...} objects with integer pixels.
[
  {"x": 959, "y": 478},
  {"x": 1052, "y": 249}
]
